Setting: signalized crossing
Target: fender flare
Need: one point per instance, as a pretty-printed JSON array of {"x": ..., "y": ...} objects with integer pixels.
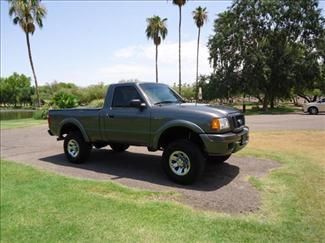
[
  {"x": 175, "y": 123},
  {"x": 76, "y": 123}
]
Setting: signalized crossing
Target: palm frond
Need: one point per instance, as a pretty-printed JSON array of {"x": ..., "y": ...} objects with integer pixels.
[
  {"x": 16, "y": 20},
  {"x": 179, "y": 3},
  {"x": 12, "y": 10},
  {"x": 27, "y": 13},
  {"x": 200, "y": 16},
  {"x": 156, "y": 29}
]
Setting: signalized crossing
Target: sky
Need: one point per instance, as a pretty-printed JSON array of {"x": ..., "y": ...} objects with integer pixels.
[{"x": 88, "y": 42}]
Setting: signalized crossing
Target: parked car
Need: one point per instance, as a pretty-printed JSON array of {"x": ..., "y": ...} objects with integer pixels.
[
  {"x": 155, "y": 116},
  {"x": 314, "y": 108}
]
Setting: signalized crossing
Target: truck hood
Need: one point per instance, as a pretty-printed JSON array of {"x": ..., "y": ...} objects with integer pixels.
[{"x": 219, "y": 110}]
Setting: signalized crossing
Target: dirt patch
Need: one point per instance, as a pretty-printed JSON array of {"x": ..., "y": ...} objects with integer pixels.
[{"x": 223, "y": 187}]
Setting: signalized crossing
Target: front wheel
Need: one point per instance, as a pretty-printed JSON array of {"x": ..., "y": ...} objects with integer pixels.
[
  {"x": 183, "y": 161},
  {"x": 313, "y": 111},
  {"x": 76, "y": 149}
]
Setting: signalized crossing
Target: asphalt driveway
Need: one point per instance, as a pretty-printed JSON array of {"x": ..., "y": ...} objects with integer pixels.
[
  {"x": 295, "y": 121},
  {"x": 224, "y": 187}
]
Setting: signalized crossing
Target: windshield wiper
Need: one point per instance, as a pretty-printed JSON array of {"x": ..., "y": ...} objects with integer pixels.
[{"x": 165, "y": 102}]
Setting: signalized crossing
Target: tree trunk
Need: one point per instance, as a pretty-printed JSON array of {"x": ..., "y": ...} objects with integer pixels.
[
  {"x": 197, "y": 65},
  {"x": 272, "y": 101},
  {"x": 304, "y": 97},
  {"x": 34, "y": 74},
  {"x": 265, "y": 103},
  {"x": 156, "y": 63},
  {"x": 179, "y": 52}
]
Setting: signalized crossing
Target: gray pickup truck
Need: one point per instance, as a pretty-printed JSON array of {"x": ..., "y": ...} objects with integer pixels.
[{"x": 155, "y": 116}]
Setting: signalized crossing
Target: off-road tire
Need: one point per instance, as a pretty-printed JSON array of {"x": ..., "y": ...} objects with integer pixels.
[
  {"x": 118, "y": 147},
  {"x": 84, "y": 147},
  {"x": 196, "y": 160}
]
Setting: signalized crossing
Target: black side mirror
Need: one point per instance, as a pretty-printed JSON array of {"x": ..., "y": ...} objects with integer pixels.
[{"x": 137, "y": 103}]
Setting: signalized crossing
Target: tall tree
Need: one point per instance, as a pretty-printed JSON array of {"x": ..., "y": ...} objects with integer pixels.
[
  {"x": 200, "y": 16},
  {"x": 156, "y": 30},
  {"x": 265, "y": 47},
  {"x": 179, "y": 3},
  {"x": 27, "y": 13}
]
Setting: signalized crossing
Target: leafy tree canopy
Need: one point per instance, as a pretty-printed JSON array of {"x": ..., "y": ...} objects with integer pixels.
[
  {"x": 267, "y": 48},
  {"x": 15, "y": 89}
]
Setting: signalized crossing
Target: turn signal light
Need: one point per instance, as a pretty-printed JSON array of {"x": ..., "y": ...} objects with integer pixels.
[
  {"x": 220, "y": 123},
  {"x": 215, "y": 124}
]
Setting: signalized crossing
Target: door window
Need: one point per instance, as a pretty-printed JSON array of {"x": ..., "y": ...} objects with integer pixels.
[{"x": 123, "y": 96}]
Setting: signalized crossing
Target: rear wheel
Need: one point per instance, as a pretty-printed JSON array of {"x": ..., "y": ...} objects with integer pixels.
[
  {"x": 183, "y": 161},
  {"x": 313, "y": 111},
  {"x": 76, "y": 149},
  {"x": 118, "y": 147},
  {"x": 218, "y": 159}
]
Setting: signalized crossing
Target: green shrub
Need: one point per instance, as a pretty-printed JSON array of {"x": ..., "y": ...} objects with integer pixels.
[
  {"x": 98, "y": 103},
  {"x": 64, "y": 100},
  {"x": 40, "y": 114},
  {"x": 15, "y": 114}
]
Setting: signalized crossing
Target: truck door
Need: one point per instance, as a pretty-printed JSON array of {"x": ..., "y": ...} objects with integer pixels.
[{"x": 126, "y": 124}]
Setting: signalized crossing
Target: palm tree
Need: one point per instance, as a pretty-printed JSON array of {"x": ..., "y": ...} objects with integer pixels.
[
  {"x": 156, "y": 30},
  {"x": 27, "y": 13},
  {"x": 200, "y": 16},
  {"x": 179, "y": 3}
]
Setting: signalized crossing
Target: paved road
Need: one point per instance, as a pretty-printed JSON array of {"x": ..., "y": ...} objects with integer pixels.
[
  {"x": 223, "y": 187},
  {"x": 286, "y": 122}
]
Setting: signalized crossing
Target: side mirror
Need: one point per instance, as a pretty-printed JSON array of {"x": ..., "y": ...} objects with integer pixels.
[{"x": 137, "y": 103}]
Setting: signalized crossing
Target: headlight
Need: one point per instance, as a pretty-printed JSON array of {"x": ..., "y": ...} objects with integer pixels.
[{"x": 219, "y": 123}]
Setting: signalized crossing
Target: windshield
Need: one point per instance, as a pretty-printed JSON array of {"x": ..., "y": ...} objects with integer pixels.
[{"x": 160, "y": 94}]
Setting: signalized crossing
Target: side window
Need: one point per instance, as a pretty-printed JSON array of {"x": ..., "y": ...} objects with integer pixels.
[{"x": 123, "y": 95}]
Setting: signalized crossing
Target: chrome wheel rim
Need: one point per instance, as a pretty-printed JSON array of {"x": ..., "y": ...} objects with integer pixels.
[
  {"x": 73, "y": 148},
  {"x": 179, "y": 163}
]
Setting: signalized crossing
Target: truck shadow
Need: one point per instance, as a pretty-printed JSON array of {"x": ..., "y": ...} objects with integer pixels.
[{"x": 144, "y": 167}]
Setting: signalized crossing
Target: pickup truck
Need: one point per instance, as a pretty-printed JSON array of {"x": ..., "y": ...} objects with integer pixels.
[{"x": 155, "y": 116}]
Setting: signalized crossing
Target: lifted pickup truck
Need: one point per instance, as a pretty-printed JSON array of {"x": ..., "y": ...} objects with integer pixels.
[{"x": 155, "y": 116}]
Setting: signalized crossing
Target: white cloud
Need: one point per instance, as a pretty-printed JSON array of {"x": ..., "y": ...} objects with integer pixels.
[
  {"x": 117, "y": 72},
  {"x": 137, "y": 61},
  {"x": 128, "y": 52}
]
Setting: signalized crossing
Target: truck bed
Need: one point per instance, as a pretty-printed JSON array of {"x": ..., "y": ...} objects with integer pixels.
[{"x": 87, "y": 117}]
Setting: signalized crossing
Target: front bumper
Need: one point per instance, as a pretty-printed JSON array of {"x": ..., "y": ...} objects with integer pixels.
[{"x": 224, "y": 144}]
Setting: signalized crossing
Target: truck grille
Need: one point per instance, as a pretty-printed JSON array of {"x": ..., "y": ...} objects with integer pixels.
[{"x": 238, "y": 121}]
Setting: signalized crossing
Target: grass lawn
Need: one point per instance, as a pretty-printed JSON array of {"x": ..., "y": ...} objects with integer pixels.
[
  {"x": 41, "y": 206},
  {"x": 5, "y": 124},
  {"x": 282, "y": 109}
]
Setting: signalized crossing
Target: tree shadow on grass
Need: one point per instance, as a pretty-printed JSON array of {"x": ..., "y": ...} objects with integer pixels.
[{"x": 144, "y": 167}]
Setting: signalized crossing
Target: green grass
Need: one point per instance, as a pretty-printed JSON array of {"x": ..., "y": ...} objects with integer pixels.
[
  {"x": 19, "y": 123},
  {"x": 282, "y": 109},
  {"x": 276, "y": 110},
  {"x": 41, "y": 206}
]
